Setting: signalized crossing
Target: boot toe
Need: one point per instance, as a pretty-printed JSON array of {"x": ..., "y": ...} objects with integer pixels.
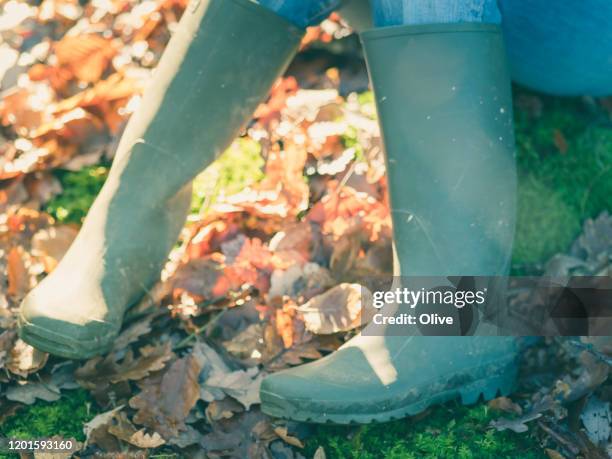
[
  {"x": 337, "y": 389},
  {"x": 71, "y": 335}
]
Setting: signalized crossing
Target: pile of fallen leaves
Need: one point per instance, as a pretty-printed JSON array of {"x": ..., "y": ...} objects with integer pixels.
[{"x": 261, "y": 280}]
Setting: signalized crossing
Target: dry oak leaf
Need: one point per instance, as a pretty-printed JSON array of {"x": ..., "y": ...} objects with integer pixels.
[
  {"x": 339, "y": 309},
  {"x": 241, "y": 385},
  {"x": 121, "y": 427},
  {"x": 115, "y": 87},
  {"x": 202, "y": 277},
  {"x": 87, "y": 56},
  {"x": 7, "y": 340},
  {"x": 99, "y": 372},
  {"x": 24, "y": 108},
  {"x": 96, "y": 430},
  {"x": 218, "y": 380},
  {"x": 505, "y": 404},
  {"x": 283, "y": 433},
  {"x": 167, "y": 399},
  {"x": 24, "y": 359},
  {"x": 29, "y": 392},
  {"x": 345, "y": 209},
  {"x": 222, "y": 409},
  {"x": 74, "y": 127},
  {"x": 17, "y": 273},
  {"x": 51, "y": 244}
]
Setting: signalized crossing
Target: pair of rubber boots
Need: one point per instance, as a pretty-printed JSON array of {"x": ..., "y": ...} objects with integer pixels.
[{"x": 443, "y": 98}]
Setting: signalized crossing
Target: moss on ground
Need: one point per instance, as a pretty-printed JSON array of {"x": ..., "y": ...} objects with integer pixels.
[
  {"x": 64, "y": 417},
  {"x": 238, "y": 167},
  {"x": 79, "y": 189},
  {"x": 565, "y": 174},
  {"x": 451, "y": 431}
]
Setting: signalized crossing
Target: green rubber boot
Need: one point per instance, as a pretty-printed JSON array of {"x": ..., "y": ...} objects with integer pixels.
[
  {"x": 219, "y": 65},
  {"x": 444, "y": 102}
]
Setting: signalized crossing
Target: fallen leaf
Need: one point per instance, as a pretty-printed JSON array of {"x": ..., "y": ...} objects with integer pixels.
[
  {"x": 222, "y": 409},
  {"x": 98, "y": 373},
  {"x": 25, "y": 359},
  {"x": 560, "y": 142},
  {"x": 283, "y": 433},
  {"x": 96, "y": 430},
  {"x": 505, "y": 404},
  {"x": 518, "y": 425},
  {"x": 320, "y": 453},
  {"x": 145, "y": 440},
  {"x": 121, "y": 427},
  {"x": 552, "y": 454},
  {"x": 29, "y": 392},
  {"x": 86, "y": 56},
  {"x": 17, "y": 273},
  {"x": 241, "y": 385},
  {"x": 597, "y": 420},
  {"x": 166, "y": 399},
  {"x": 52, "y": 243},
  {"x": 338, "y": 309}
]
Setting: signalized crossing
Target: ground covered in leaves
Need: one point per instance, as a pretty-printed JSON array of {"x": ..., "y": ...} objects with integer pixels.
[{"x": 295, "y": 209}]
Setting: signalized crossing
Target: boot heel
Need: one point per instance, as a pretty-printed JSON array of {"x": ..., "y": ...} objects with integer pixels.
[{"x": 490, "y": 387}]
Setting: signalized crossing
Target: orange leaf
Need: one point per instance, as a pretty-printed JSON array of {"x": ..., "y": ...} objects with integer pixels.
[
  {"x": 87, "y": 55},
  {"x": 17, "y": 273}
]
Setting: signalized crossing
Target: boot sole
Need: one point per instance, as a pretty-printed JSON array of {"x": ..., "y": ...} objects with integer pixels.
[
  {"x": 62, "y": 345},
  {"x": 486, "y": 388}
]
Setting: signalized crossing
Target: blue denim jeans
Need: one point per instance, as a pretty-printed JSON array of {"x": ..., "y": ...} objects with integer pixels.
[
  {"x": 391, "y": 12},
  {"x": 562, "y": 47}
]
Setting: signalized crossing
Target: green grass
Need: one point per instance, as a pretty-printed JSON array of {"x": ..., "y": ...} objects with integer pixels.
[
  {"x": 451, "y": 431},
  {"x": 79, "y": 191},
  {"x": 559, "y": 190},
  {"x": 238, "y": 167}
]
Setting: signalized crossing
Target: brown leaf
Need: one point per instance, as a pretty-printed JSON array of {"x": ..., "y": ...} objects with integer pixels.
[
  {"x": 7, "y": 341},
  {"x": 131, "y": 334},
  {"x": 344, "y": 255},
  {"x": 560, "y": 142},
  {"x": 222, "y": 409},
  {"x": 235, "y": 437},
  {"x": 201, "y": 278},
  {"x": 344, "y": 209},
  {"x": 43, "y": 186},
  {"x": 552, "y": 454},
  {"x": 240, "y": 384},
  {"x": 29, "y": 392},
  {"x": 17, "y": 273},
  {"x": 304, "y": 280},
  {"x": 24, "y": 359},
  {"x": 121, "y": 427},
  {"x": 24, "y": 108},
  {"x": 96, "y": 430},
  {"x": 283, "y": 433},
  {"x": 52, "y": 243},
  {"x": 98, "y": 373},
  {"x": 166, "y": 400},
  {"x": 518, "y": 425},
  {"x": 506, "y": 405},
  {"x": 145, "y": 440},
  {"x": 86, "y": 55},
  {"x": 12, "y": 193},
  {"x": 338, "y": 309}
]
